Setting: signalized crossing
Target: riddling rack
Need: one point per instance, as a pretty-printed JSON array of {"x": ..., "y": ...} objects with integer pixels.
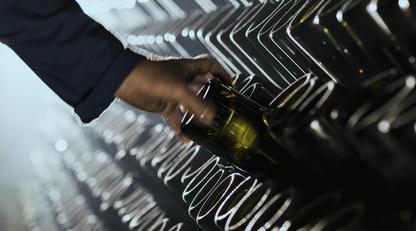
[{"x": 129, "y": 172}]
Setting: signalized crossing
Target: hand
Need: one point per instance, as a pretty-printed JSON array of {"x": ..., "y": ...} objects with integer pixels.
[{"x": 161, "y": 86}]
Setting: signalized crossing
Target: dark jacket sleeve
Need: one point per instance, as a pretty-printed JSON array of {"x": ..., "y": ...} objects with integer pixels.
[{"x": 76, "y": 57}]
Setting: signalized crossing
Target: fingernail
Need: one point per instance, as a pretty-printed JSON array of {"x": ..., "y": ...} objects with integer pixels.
[
  {"x": 182, "y": 108},
  {"x": 207, "y": 117},
  {"x": 184, "y": 140}
]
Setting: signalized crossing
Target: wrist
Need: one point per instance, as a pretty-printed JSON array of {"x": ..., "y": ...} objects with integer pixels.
[{"x": 125, "y": 89}]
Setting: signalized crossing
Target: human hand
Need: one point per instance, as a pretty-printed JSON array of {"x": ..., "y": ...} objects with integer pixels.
[{"x": 163, "y": 86}]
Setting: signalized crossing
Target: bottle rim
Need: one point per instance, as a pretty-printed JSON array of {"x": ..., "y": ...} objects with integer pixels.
[
  {"x": 369, "y": 88},
  {"x": 310, "y": 108},
  {"x": 405, "y": 119},
  {"x": 299, "y": 95},
  {"x": 290, "y": 91},
  {"x": 374, "y": 110}
]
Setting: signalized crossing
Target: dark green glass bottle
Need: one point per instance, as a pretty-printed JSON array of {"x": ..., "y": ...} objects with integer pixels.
[{"x": 239, "y": 133}]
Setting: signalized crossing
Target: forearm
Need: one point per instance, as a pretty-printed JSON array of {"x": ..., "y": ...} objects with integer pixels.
[{"x": 75, "y": 56}]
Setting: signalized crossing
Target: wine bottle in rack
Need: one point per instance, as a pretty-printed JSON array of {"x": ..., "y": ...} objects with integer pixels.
[{"x": 239, "y": 134}]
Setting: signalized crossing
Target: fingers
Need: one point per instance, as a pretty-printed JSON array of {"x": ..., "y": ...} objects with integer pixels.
[
  {"x": 198, "y": 82},
  {"x": 203, "y": 111},
  {"x": 205, "y": 65},
  {"x": 201, "y": 79},
  {"x": 174, "y": 120}
]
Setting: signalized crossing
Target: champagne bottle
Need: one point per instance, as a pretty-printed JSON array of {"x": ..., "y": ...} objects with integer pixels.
[{"x": 239, "y": 134}]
